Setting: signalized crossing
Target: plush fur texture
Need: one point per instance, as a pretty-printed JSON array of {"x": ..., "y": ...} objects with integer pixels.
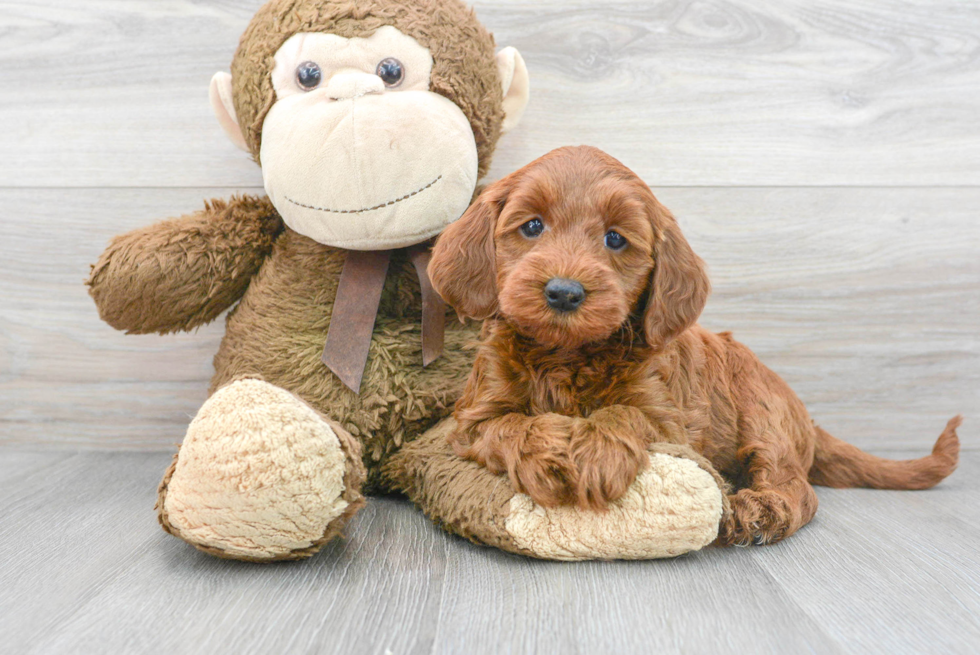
[
  {"x": 462, "y": 51},
  {"x": 671, "y": 508},
  {"x": 386, "y": 169},
  {"x": 261, "y": 476},
  {"x": 181, "y": 273},
  {"x": 278, "y": 328},
  {"x": 567, "y": 403},
  {"x": 675, "y": 507}
]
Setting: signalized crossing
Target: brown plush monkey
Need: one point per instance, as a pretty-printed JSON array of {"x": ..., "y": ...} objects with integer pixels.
[{"x": 372, "y": 122}]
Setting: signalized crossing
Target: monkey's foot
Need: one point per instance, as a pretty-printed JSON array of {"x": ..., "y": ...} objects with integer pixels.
[
  {"x": 673, "y": 507},
  {"x": 261, "y": 476}
]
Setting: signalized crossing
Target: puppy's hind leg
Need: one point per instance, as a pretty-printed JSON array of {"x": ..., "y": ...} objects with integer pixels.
[
  {"x": 775, "y": 451},
  {"x": 765, "y": 515}
]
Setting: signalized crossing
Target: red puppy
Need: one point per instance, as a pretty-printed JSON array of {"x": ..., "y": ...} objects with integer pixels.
[{"x": 591, "y": 352}]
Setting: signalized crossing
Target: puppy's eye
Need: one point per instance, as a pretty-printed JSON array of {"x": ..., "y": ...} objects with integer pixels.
[
  {"x": 308, "y": 75},
  {"x": 615, "y": 241},
  {"x": 532, "y": 228},
  {"x": 391, "y": 72}
]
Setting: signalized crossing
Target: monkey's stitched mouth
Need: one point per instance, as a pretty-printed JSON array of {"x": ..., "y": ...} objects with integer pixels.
[{"x": 365, "y": 209}]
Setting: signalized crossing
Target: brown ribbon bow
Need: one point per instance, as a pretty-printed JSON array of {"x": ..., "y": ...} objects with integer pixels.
[{"x": 355, "y": 310}]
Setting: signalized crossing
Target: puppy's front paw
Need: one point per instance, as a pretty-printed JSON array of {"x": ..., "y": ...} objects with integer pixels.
[
  {"x": 534, "y": 454},
  {"x": 606, "y": 467},
  {"x": 547, "y": 477}
]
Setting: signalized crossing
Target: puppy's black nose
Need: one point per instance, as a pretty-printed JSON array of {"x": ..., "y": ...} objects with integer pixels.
[{"x": 563, "y": 295}]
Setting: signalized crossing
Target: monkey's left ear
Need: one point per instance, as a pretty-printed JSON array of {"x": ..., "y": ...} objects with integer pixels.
[
  {"x": 224, "y": 108},
  {"x": 513, "y": 78}
]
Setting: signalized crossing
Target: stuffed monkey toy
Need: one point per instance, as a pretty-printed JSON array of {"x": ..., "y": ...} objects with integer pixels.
[{"x": 372, "y": 122}]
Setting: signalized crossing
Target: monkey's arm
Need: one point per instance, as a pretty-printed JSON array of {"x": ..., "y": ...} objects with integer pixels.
[{"x": 181, "y": 273}]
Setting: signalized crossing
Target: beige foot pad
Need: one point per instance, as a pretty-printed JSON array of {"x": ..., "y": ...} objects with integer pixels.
[
  {"x": 674, "y": 507},
  {"x": 260, "y": 476}
]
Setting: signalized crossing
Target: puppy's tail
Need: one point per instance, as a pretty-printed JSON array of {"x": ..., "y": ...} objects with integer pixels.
[{"x": 839, "y": 464}]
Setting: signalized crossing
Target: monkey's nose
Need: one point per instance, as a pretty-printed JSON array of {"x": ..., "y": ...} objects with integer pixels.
[
  {"x": 347, "y": 86},
  {"x": 564, "y": 295}
]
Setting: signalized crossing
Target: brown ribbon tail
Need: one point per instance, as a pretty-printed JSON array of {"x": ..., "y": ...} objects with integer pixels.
[
  {"x": 433, "y": 309},
  {"x": 355, "y": 310}
]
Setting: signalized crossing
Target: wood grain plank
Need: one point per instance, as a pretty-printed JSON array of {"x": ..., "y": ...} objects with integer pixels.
[
  {"x": 734, "y": 92},
  {"x": 905, "y": 575},
  {"x": 957, "y": 497},
  {"x": 711, "y": 601},
  {"x": 66, "y": 530},
  {"x": 18, "y": 466},
  {"x": 375, "y": 593},
  {"x": 47, "y": 321},
  {"x": 85, "y": 568},
  {"x": 865, "y": 300}
]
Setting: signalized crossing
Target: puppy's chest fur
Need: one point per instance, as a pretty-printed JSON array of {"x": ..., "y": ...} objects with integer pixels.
[{"x": 579, "y": 382}]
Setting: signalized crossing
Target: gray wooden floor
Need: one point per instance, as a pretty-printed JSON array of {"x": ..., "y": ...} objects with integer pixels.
[
  {"x": 85, "y": 569},
  {"x": 823, "y": 156}
]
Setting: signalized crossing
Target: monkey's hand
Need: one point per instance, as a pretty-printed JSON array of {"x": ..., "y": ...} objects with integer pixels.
[{"x": 181, "y": 273}]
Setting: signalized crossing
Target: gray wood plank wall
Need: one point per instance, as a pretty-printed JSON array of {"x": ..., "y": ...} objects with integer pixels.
[{"x": 822, "y": 156}]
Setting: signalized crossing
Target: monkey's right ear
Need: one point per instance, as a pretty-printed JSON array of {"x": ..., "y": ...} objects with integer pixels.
[
  {"x": 516, "y": 86},
  {"x": 224, "y": 108}
]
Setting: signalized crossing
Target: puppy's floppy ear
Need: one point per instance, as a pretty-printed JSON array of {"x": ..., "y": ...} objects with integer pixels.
[
  {"x": 463, "y": 267},
  {"x": 680, "y": 284}
]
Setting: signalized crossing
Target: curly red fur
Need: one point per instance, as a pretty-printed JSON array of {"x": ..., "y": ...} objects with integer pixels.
[{"x": 566, "y": 402}]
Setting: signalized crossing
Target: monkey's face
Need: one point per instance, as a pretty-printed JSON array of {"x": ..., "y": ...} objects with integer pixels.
[{"x": 357, "y": 152}]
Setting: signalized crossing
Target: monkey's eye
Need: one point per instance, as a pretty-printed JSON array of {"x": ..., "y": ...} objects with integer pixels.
[
  {"x": 391, "y": 72},
  {"x": 308, "y": 75},
  {"x": 615, "y": 241},
  {"x": 532, "y": 228}
]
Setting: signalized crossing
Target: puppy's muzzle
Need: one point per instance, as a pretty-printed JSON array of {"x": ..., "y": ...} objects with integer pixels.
[{"x": 564, "y": 295}]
